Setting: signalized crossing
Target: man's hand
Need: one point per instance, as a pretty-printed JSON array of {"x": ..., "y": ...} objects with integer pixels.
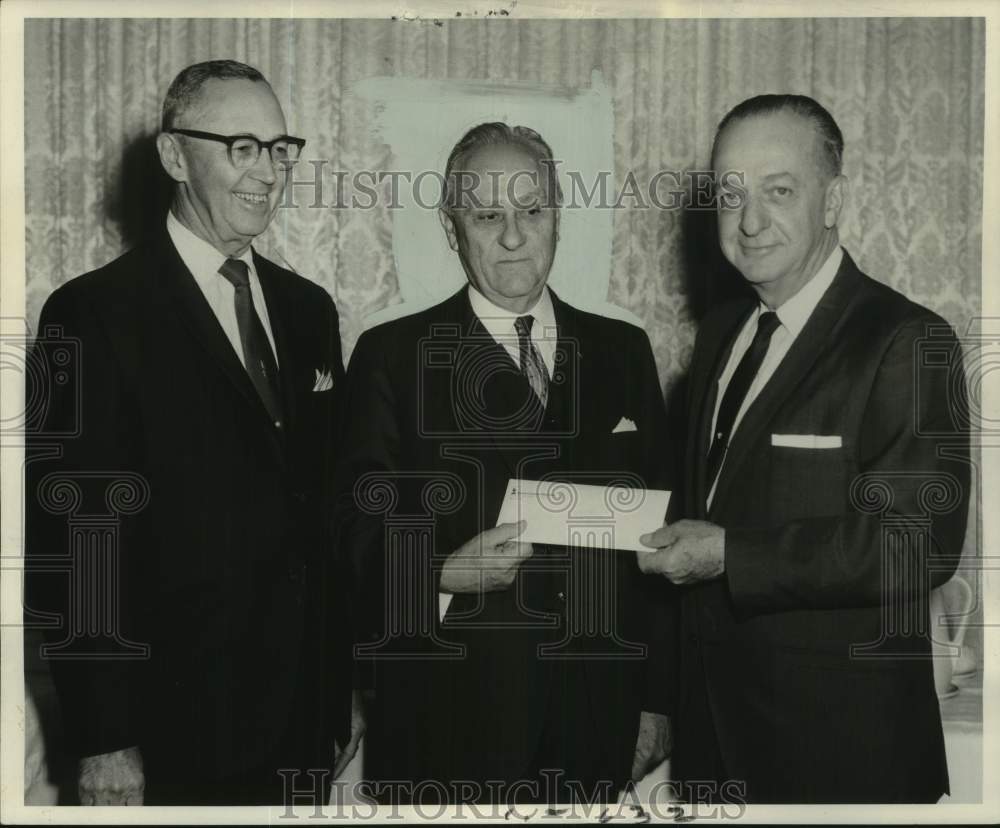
[
  {"x": 653, "y": 744},
  {"x": 112, "y": 778},
  {"x": 342, "y": 758},
  {"x": 687, "y": 552},
  {"x": 488, "y": 562}
]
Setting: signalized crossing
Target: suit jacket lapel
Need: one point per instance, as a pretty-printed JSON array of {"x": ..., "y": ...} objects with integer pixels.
[
  {"x": 449, "y": 400},
  {"x": 565, "y": 400},
  {"x": 704, "y": 395},
  {"x": 197, "y": 315},
  {"x": 812, "y": 340},
  {"x": 291, "y": 352}
]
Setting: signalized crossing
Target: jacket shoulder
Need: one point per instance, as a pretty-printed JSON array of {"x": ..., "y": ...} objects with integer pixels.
[
  {"x": 400, "y": 335},
  {"x": 119, "y": 282},
  {"x": 605, "y": 329},
  {"x": 620, "y": 327},
  {"x": 296, "y": 283},
  {"x": 891, "y": 309}
]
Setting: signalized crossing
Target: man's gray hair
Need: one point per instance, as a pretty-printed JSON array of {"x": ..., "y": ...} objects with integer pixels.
[
  {"x": 186, "y": 87},
  {"x": 497, "y": 133}
]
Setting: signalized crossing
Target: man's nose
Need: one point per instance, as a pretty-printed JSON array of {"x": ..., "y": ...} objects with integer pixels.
[
  {"x": 753, "y": 217},
  {"x": 512, "y": 236},
  {"x": 263, "y": 169}
]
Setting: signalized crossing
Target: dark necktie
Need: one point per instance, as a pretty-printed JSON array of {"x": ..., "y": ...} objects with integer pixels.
[
  {"x": 736, "y": 391},
  {"x": 257, "y": 354},
  {"x": 532, "y": 365}
]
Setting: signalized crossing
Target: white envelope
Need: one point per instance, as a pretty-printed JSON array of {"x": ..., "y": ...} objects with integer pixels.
[
  {"x": 576, "y": 514},
  {"x": 807, "y": 441}
]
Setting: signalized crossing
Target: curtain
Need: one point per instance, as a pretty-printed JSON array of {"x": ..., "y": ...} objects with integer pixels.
[{"x": 908, "y": 94}]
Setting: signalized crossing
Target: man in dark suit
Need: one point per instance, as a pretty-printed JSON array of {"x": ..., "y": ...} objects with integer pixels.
[
  {"x": 502, "y": 672},
  {"x": 828, "y": 491},
  {"x": 202, "y": 412}
]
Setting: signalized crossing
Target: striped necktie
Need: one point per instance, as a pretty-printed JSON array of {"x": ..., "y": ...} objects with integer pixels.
[
  {"x": 257, "y": 354},
  {"x": 532, "y": 365}
]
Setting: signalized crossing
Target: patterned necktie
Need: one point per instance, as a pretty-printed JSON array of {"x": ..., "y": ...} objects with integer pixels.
[
  {"x": 257, "y": 354},
  {"x": 736, "y": 391},
  {"x": 532, "y": 365}
]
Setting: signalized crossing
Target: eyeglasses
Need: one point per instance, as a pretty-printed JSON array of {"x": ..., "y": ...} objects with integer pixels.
[{"x": 244, "y": 150}]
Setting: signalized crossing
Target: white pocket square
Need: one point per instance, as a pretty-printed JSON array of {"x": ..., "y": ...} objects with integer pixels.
[
  {"x": 624, "y": 424},
  {"x": 807, "y": 441},
  {"x": 324, "y": 381}
]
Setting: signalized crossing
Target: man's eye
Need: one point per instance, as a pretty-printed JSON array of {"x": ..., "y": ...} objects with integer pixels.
[
  {"x": 729, "y": 200},
  {"x": 534, "y": 211},
  {"x": 487, "y": 217},
  {"x": 244, "y": 153},
  {"x": 244, "y": 147},
  {"x": 781, "y": 192}
]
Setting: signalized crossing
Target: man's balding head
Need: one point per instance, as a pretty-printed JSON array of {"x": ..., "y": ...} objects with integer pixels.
[
  {"x": 498, "y": 134},
  {"x": 830, "y": 140},
  {"x": 185, "y": 90}
]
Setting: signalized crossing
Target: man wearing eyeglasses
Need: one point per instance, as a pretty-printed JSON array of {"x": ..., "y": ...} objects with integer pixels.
[{"x": 209, "y": 380}]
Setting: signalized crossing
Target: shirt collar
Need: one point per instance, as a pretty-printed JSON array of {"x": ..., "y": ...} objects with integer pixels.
[
  {"x": 795, "y": 312},
  {"x": 499, "y": 322},
  {"x": 197, "y": 254}
]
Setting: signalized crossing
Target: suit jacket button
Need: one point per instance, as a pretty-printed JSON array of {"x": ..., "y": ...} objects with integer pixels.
[{"x": 561, "y": 596}]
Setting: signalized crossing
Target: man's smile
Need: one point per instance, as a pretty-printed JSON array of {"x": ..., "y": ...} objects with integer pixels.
[{"x": 252, "y": 198}]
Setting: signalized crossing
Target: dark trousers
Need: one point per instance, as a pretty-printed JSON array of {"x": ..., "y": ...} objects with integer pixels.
[
  {"x": 571, "y": 764},
  {"x": 259, "y": 786},
  {"x": 302, "y": 781},
  {"x": 696, "y": 762},
  {"x": 172, "y": 781}
]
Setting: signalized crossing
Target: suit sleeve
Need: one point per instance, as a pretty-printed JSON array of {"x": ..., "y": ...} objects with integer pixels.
[
  {"x": 842, "y": 561},
  {"x": 657, "y": 594},
  {"x": 85, "y": 437},
  {"x": 370, "y": 445},
  {"x": 337, "y": 601}
]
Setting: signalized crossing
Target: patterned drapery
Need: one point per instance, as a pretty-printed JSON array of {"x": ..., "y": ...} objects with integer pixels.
[{"x": 908, "y": 94}]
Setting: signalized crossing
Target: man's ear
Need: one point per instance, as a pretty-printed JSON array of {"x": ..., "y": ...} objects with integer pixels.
[
  {"x": 836, "y": 196},
  {"x": 558, "y": 216},
  {"x": 448, "y": 223},
  {"x": 171, "y": 156}
]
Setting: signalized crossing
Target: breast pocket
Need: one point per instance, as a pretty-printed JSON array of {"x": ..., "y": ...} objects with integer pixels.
[
  {"x": 621, "y": 454},
  {"x": 808, "y": 481}
]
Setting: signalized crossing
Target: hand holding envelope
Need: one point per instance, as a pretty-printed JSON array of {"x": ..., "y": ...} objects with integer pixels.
[
  {"x": 685, "y": 552},
  {"x": 488, "y": 562},
  {"x": 576, "y": 514}
]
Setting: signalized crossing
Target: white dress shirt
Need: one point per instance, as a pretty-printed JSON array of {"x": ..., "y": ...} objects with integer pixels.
[
  {"x": 792, "y": 316},
  {"x": 499, "y": 322},
  {"x": 204, "y": 262}
]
